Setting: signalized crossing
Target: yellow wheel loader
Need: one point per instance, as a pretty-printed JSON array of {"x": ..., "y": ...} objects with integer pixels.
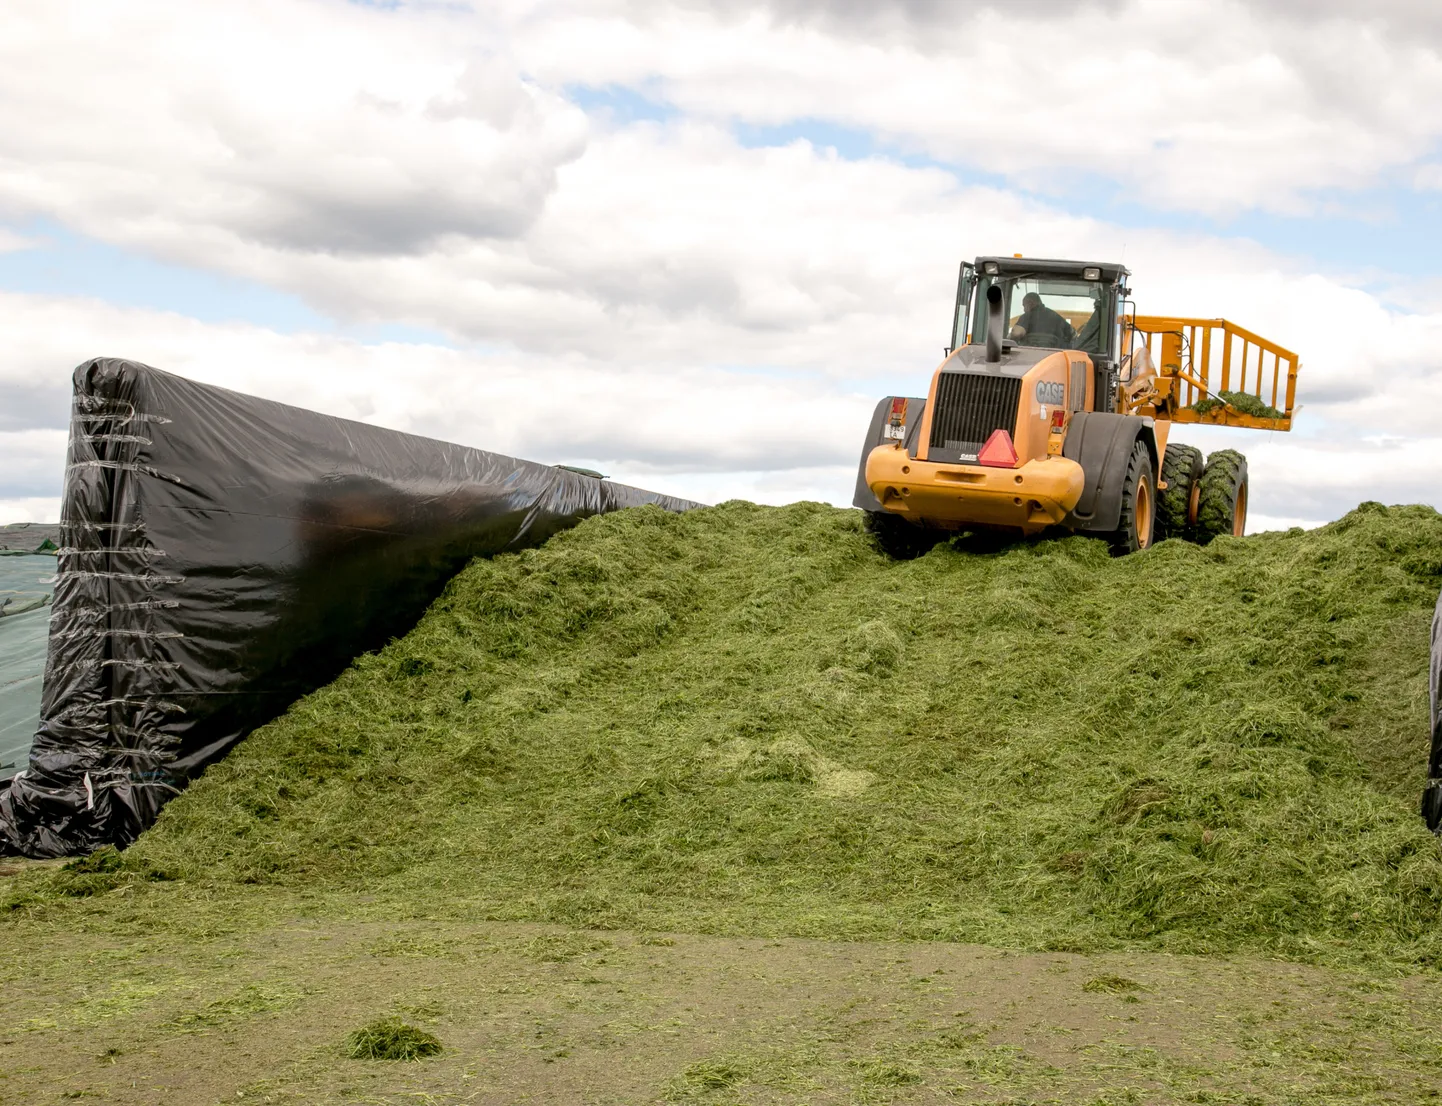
[{"x": 1054, "y": 408}]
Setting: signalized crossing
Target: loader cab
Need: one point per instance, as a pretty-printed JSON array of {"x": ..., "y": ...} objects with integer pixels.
[{"x": 1048, "y": 304}]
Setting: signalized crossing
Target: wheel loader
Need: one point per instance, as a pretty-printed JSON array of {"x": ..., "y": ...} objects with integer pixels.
[{"x": 1054, "y": 407}]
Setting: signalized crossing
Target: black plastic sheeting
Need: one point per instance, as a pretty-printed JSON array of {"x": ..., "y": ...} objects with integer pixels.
[
  {"x": 1432, "y": 795},
  {"x": 224, "y": 555}
]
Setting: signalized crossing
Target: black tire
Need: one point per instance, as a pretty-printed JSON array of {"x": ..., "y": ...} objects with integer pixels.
[
  {"x": 899, "y": 539},
  {"x": 1177, "y": 502},
  {"x": 1222, "y": 500},
  {"x": 1137, "y": 526}
]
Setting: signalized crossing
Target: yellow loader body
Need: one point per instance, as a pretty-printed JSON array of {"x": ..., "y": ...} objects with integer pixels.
[{"x": 1037, "y": 491}]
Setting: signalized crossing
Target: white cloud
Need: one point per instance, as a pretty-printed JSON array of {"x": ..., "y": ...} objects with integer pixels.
[
  {"x": 674, "y": 244},
  {"x": 395, "y": 166},
  {"x": 347, "y": 152},
  {"x": 1194, "y": 104},
  {"x": 921, "y": 22},
  {"x": 301, "y": 125},
  {"x": 32, "y": 462},
  {"x": 680, "y": 428},
  {"x": 37, "y": 509},
  {"x": 1257, "y": 524},
  {"x": 655, "y": 298}
]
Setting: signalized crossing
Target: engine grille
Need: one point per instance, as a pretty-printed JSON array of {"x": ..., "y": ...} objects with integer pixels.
[{"x": 969, "y": 407}]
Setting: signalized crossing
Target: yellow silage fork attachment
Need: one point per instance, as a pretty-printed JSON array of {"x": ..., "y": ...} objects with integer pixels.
[{"x": 1209, "y": 369}]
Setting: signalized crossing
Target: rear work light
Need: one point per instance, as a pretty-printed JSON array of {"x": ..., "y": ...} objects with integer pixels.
[{"x": 998, "y": 453}]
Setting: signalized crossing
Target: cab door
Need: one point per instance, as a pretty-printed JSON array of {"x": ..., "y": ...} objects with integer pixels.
[{"x": 965, "y": 285}]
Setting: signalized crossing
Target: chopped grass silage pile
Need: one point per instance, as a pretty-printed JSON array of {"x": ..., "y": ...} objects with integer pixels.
[
  {"x": 746, "y": 720},
  {"x": 391, "y": 1039}
]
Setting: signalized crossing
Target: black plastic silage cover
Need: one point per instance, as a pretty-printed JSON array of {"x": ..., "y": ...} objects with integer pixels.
[
  {"x": 1432, "y": 795},
  {"x": 224, "y": 555}
]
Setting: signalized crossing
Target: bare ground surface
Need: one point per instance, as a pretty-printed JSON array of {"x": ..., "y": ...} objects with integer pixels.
[{"x": 541, "y": 1014}]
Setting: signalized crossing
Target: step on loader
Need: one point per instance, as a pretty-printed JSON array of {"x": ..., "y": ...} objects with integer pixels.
[{"x": 1054, "y": 407}]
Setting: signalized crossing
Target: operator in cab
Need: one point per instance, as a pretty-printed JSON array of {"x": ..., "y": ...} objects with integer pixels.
[{"x": 1039, "y": 325}]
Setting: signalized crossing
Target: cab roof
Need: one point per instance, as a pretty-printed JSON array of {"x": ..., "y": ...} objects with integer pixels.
[{"x": 1110, "y": 272}]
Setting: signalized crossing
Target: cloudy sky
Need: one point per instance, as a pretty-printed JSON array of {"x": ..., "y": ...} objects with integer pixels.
[{"x": 694, "y": 241}]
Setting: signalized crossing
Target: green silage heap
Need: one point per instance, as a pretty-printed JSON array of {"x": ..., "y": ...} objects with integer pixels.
[{"x": 744, "y": 719}]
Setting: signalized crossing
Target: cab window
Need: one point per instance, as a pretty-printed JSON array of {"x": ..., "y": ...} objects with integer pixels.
[{"x": 1050, "y": 313}]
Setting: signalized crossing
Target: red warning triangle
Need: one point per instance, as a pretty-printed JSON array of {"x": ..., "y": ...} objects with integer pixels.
[{"x": 998, "y": 452}]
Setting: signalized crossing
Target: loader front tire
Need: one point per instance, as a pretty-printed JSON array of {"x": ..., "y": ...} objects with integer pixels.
[
  {"x": 1222, "y": 499},
  {"x": 898, "y": 539},
  {"x": 1137, "y": 526},
  {"x": 1177, "y": 503}
]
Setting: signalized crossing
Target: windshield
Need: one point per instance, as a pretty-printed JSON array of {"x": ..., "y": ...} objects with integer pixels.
[{"x": 1055, "y": 314}]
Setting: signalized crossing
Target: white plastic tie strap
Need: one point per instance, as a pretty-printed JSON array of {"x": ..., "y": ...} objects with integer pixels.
[
  {"x": 146, "y": 605},
  {"x": 80, "y": 711},
  {"x": 116, "y": 438},
  {"x": 103, "y": 408},
  {"x": 125, "y": 466},
  {"x": 89, "y": 793},
  {"x": 72, "y": 551},
  {"x": 124, "y": 416},
  {"x": 149, "y": 604},
  {"x": 158, "y": 704},
  {"x": 117, "y": 633},
  {"x": 117, "y": 664}
]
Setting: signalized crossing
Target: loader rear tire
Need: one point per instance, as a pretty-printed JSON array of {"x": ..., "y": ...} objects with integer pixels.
[
  {"x": 1137, "y": 526},
  {"x": 1177, "y": 502},
  {"x": 1222, "y": 500},
  {"x": 898, "y": 539}
]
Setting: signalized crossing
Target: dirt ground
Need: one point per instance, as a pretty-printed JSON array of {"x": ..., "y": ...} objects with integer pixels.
[{"x": 536, "y": 1014}]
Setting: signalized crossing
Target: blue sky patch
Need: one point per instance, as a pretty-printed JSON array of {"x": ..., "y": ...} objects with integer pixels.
[{"x": 620, "y": 104}]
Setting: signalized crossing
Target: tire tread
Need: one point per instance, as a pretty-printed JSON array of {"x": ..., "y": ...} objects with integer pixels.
[
  {"x": 1182, "y": 467},
  {"x": 1123, "y": 540},
  {"x": 1222, "y": 479}
]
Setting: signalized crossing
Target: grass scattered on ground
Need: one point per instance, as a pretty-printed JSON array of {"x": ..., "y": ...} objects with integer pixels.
[
  {"x": 1111, "y": 985},
  {"x": 710, "y": 1075}
]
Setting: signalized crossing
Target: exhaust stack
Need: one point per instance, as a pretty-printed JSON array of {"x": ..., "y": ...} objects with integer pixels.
[{"x": 995, "y": 320}]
